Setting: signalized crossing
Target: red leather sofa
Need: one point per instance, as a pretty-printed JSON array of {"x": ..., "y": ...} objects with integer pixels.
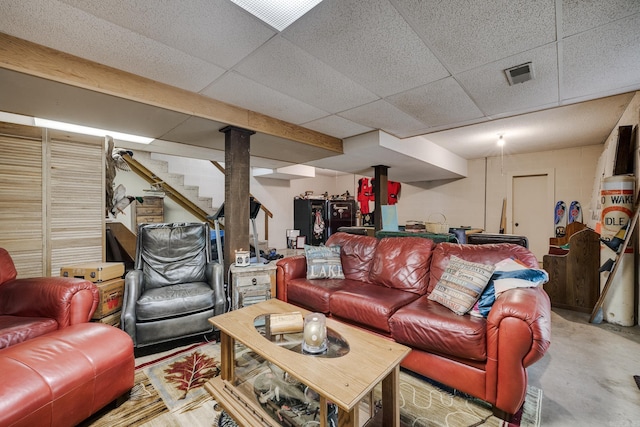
[
  {"x": 385, "y": 291},
  {"x": 57, "y": 368}
]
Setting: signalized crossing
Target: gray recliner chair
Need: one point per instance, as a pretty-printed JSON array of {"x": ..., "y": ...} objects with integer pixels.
[{"x": 174, "y": 287}]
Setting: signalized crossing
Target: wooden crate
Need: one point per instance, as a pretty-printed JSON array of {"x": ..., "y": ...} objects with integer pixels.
[
  {"x": 111, "y": 297},
  {"x": 94, "y": 271},
  {"x": 112, "y": 319}
]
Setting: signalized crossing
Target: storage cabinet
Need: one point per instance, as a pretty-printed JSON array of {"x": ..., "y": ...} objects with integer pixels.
[
  {"x": 150, "y": 211},
  {"x": 252, "y": 284},
  {"x": 317, "y": 219},
  {"x": 574, "y": 280}
]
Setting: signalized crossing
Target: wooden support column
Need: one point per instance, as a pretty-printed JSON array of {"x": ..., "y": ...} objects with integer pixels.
[
  {"x": 236, "y": 192},
  {"x": 380, "y": 192}
]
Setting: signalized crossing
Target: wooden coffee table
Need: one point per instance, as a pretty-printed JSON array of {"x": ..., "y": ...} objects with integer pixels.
[{"x": 344, "y": 380}]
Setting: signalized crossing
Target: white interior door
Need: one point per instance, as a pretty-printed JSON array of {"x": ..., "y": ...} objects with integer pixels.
[{"x": 531, "y": 214}]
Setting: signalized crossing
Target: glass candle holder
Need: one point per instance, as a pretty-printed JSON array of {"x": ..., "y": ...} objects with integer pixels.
[{"x": 314, "y": 339}]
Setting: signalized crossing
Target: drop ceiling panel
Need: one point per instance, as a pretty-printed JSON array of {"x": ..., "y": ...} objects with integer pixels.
[
  {"x": 337, "y": 126},
  {"x": 579, "y": 16},
  {"x": 602, "y": 60},
  {"x": 437, "y": 103},
  {"x": 218, "y": 31},
  {"x": 488, "y": 86},
  {"x": 236, "y": 89},
  {"x": 57, "y": 101},
  {"x": 379, "y": 50},
  {"x": 591, "y": 124},
  {"x": 383, "y": 115},
  {"x": 286, "y": 68},
  {"x": 62, "y": 27},
  {"x": 465, "y": 35}
]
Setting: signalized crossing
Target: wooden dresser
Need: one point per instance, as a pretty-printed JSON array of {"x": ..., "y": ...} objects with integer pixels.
[{"x": 150, "y": 211}]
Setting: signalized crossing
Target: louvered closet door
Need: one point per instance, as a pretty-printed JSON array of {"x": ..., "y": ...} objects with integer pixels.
[
  {"x": 21, "y": 207},
  {"x": 76, "y": 194}
]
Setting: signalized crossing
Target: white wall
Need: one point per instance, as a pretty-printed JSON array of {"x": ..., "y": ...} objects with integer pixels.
[{"x": 464, "y": 202}]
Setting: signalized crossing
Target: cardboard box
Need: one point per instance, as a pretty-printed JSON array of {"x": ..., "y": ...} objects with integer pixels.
[
  {"x": 111, "y": 297},
  {"x": 94, "y": 271}
]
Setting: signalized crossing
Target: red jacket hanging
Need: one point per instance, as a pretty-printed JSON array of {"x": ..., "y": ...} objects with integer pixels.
[
  {"x": 393, "y": 192},
  {"x": 365, "y": 194}
]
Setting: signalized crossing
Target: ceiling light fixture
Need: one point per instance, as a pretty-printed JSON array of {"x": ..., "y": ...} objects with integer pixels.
[
  {"x": 501, "y": 141},
  {"x": 277, "y": 13},
  {"x": 68, "y": 127}
]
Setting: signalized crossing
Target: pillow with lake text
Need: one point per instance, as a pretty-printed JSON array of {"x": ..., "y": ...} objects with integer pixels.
[
  {"x": 323, "y": 262},
  {"x": 461, "y": 284}
]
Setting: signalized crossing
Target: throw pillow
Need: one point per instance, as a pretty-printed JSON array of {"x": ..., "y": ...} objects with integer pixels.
[
  {"x": 323, "y": 262},
  {"x": 461, "y": 284},
  {"x": 509, "y": 273}
]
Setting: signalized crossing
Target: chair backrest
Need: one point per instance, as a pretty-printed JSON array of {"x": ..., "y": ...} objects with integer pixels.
[{"x": 172, "y": 253}]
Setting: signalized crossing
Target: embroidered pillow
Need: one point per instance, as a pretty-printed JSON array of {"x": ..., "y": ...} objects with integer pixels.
[
  {"x": 323, "y": 262},
  {"x": 461, "y": 284}
]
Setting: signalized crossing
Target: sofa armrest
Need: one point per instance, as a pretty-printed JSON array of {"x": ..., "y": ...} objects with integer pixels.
[
  {"x": 132, "y": 292},
  {"x": 518, "y": 335},
  {"x": 67, "y": 300},
  {"x": 294, "y": 267},
  {"x": 215, "y": 277}
]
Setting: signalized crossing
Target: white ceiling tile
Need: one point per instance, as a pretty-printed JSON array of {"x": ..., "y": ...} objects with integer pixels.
[
  {"x": 73, "y": 31},
  {"x": 285, "y": 67},
  {"x": 488, "y": 86},
  {"x": 382, "y": 115},
  {"x": 465, "y": 34},
  {"x": 219, "y": 32},
  {"x": 603, "y": 59},
  {"x": 587, "y": 123},
  {"x": 236, "y": 89},
  {"x": 581, "y": 15},
  {"x": 379, "y": 50},
  {"x": 337, "y": 126},
  {"x": 437, "y": 103}
]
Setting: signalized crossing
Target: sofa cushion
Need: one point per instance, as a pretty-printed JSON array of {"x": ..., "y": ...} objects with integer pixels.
[
  {"x": 356, "y": 253},
  {"x": 432, "y": 327},
  {"x": 461, "y": 284},
  {"x": 174, "y": 300},
  {"x": 314, "y": 295},
  {"x": 402, "y": 263},
  {"x": 368, "y": 305},
  {"x": 323, "y": 262},
  {"x": 16, "y": 329},
  {"x": 485, "y": 254}
]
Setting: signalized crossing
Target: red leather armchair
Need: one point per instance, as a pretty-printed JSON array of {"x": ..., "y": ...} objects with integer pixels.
[
  {"x": 32, "y": 307},
  {"x": 57, "y": 367}
]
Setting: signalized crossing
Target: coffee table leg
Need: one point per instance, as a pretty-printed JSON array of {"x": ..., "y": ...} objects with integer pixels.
[
  {"x": 227, "y": 358},
  {"x": 390, "y": 402}
]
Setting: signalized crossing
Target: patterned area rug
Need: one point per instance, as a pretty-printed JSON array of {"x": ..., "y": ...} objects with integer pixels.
[{"x": 168, "y": 392}]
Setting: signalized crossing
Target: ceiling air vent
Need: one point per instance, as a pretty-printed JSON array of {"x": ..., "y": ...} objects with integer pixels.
[{"x": 519, "y": 74}]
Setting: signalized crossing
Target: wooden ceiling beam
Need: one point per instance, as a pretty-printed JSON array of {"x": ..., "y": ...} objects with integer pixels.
[{"x": 40, "y": 61}]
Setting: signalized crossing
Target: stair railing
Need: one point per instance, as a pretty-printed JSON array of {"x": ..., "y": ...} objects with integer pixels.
[
  {"x": 171, "y": 192},
  {"x": 267, "y": 213}
]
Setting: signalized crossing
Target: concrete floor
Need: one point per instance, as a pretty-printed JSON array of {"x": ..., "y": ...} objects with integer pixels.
[{"x": 587, "y": 374}]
